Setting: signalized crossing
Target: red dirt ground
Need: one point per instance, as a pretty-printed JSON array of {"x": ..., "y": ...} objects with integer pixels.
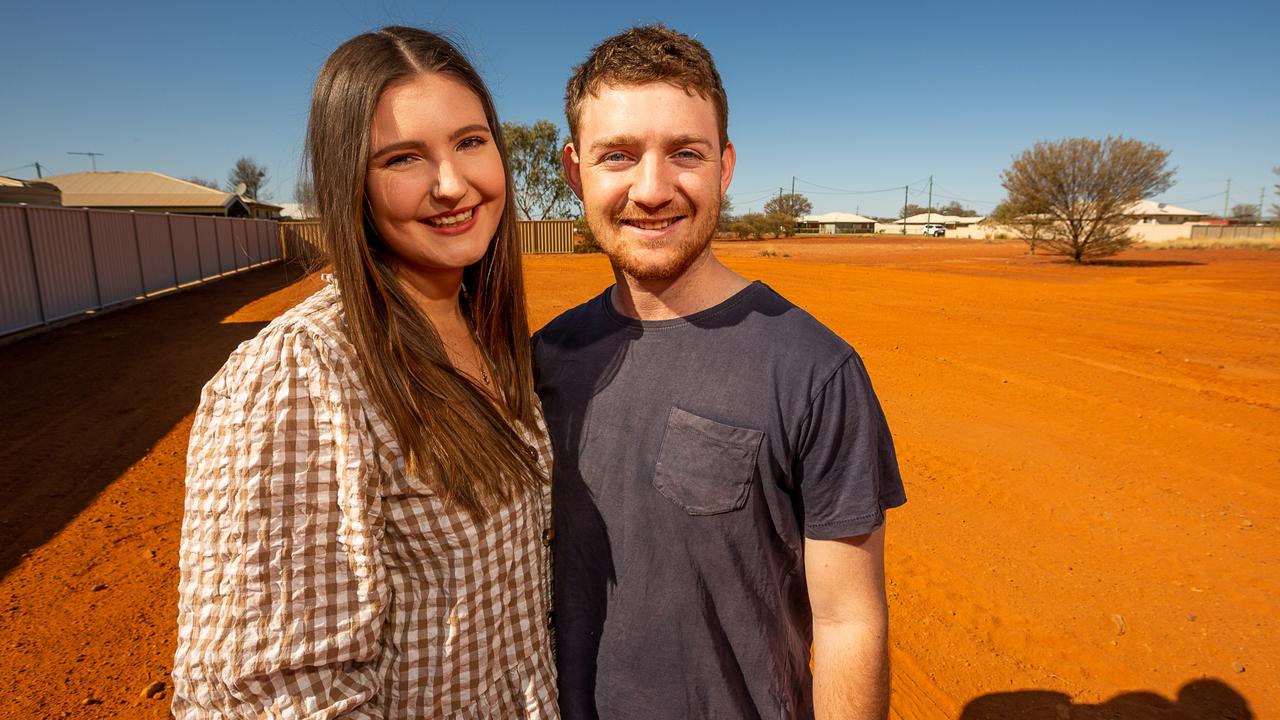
[{"x": 1090, "y": 455}]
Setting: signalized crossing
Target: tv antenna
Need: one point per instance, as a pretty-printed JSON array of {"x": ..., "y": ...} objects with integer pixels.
[{"x": 93, "y": 157}]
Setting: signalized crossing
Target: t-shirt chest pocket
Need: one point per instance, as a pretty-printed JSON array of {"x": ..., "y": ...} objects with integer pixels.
[{"x": 704, "y": 466}]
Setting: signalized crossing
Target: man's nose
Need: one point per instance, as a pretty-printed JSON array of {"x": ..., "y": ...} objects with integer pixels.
[
  {"x": 450, "y": 183},
  {"x": 652, "y": 186}
]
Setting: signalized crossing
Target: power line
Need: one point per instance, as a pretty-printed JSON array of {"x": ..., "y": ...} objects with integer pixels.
[{"x": 841, "y": 191}]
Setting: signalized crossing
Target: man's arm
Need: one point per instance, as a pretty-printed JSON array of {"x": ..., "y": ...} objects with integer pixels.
[{"x": 850, "y": 627}]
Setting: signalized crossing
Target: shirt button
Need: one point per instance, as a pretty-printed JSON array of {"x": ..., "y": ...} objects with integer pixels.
[{"x": 548, "y": 536}]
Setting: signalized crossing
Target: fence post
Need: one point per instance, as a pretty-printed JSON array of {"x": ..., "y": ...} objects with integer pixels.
[
  {"x": 93, "y": 257},
  {"x": 35, "y": 269},
  {"x": 137, "y": 249},
  {"x": 173, "y": 251},
  {"x": 195, "y": 232}
]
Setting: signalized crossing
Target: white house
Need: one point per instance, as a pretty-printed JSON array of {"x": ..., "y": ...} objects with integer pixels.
[{"x": 835, "y": 223}]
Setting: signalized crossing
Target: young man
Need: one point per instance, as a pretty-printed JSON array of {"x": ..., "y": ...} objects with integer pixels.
[{"x": 722, "y": 466}]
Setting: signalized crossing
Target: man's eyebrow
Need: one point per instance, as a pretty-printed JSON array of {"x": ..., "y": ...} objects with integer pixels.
[
  {"x": 690, "y": 140},
  {"x": 614, "y": 141},
  {"x": 625, "y": 140}
]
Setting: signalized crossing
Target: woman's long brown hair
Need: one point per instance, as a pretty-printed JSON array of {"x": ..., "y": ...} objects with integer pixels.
[{"x": 450, "y": 434}]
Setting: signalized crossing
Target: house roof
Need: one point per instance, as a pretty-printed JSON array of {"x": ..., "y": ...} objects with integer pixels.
[
  {"x": 1149, "y": 208},
  {"x": 939, "y": 218},
  {"x": 836, "y": 217},
  {"x": 140, "y": 189}
]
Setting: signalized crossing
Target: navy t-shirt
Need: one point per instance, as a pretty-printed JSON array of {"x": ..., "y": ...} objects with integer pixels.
[{"x": 692, "y": 458}]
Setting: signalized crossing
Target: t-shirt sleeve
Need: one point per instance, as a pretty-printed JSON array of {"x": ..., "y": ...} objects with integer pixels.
[{"x": 846, "y": 467}]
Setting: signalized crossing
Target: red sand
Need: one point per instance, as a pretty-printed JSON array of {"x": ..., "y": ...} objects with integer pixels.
[{"x": 1090, "y": 455}]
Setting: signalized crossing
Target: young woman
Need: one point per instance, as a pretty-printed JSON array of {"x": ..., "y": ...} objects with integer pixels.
[{"x": 367, "y": 493}]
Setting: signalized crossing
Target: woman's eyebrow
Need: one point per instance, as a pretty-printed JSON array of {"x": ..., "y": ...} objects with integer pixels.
[
  {"x": 466, "y": 129},
  {"x": 401, "y": 145}
]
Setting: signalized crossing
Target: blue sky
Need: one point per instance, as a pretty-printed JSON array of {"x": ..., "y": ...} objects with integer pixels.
[{"x": 843, "y": 96}]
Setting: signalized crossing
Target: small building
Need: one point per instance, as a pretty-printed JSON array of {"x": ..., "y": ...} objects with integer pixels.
[
  {"x": 835, "y": 223},
  {"x": 1150, "y": 212},
  {"x": 915, "y": 223},
  {"x": 29, "y": 192},
  {"x": 154, "y": 192}
]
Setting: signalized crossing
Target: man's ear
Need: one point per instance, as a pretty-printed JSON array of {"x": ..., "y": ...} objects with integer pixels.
[
  {"x": 728, "y": 159},
  {"x": 572, "y": 168}
]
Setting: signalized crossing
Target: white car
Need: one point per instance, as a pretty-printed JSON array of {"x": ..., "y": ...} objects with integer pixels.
[{"x": 934, "y": 230}]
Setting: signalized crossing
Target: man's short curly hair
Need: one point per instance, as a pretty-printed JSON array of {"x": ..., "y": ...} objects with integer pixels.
[{"x": 642, "y": 55}]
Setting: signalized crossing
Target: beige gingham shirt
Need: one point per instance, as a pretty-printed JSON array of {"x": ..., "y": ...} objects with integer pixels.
[{"x": 320, "y": 580}]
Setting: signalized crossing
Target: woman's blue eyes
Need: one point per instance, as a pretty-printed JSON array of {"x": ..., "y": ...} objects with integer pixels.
[{"x": 470, "y": 143}]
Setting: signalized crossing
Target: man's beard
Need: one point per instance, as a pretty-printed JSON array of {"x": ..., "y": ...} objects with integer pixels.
[{"x": 685, "y": 249}]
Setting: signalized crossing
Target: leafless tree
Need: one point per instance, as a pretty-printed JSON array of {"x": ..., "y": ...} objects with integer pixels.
[
  {"x": 249, "y": 172},
  {"x": 304, "y": 193},
  {"x": 211, "y": 184},
  {"x": 1245, "y": 212},
  {"x": 1086, "y": 188}
]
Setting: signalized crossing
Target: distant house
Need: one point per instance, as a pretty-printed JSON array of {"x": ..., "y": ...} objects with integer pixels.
[
  {"x": 31, "y": 192},
  {"x": 1150, "y": 212},
  {"x": 915, "y": 223},
  {"x": 153, "y": 192},
  {"x": 835, "y": 223},
  {"x": 295, "y": 211}
]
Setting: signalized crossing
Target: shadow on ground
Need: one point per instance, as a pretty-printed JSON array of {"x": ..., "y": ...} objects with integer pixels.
[
  {"x": 81, "y": 403},
  {"x": 1144, "y": 263},
  {"x": 1206, "y": 699}
]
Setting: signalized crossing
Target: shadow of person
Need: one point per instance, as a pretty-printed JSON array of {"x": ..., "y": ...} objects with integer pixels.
[
  {"x": 1207, "y": 699},
  {"x": 80, "y": 404}
]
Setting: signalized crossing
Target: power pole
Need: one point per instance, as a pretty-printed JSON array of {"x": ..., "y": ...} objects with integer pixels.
[
  {"x": 1262, "y": 195},
  {"x": 929, "y": 213},
  {"x": 793, "y": 184},
  {"x": 904, "y": 208},
  {"x": 93, "y": 156},
  {"x": 1226, "y": 204}
]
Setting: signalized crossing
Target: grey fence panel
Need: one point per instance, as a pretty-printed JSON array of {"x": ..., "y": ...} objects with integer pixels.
[
  {"x": 239, "y": 246},
  {"x": 226, "y": 251},
  {"x": 157, "y": 253},
  {"x": 186, "y": 256},
  {"x": 1235, "y": 232},
  {"x": 207, "y": 247},
  {"x": 19, "y": 289},
  {"x": 272, "y": 240},
  {"x": 115, "y": 256},
  {"x": 256, "y": 229},
  {"x": 266, "y": 234},
  {"x": 64, "y": 261}
]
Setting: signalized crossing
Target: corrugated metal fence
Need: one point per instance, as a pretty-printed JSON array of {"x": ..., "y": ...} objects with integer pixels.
[
  {"x": 546, "y": 236},
  {"x": 1235, "y": 232},
  {"x": 301, "y": 239},
  {"x": 59, "y": 262}
]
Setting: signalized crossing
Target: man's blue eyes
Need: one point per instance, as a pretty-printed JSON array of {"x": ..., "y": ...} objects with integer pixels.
[{"x": 681, "y": 155}]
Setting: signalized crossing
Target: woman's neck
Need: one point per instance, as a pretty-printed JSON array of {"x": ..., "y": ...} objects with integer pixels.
[{"x": 435, "y": 294}]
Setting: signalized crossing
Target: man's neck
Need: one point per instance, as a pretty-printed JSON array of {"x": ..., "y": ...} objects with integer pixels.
[{"x": 705, "y": 283}]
